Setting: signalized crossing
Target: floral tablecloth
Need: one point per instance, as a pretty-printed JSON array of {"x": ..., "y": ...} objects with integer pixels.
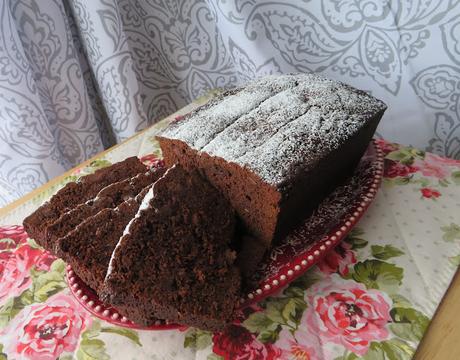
[{"x": 372, "y": 298}]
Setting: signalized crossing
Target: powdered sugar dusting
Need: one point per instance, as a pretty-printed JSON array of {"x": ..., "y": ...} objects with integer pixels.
[
  {"x": 200, "y": 127},
  {"x": 126, "y": 231},
  {"x": 253, "y": 129},
  {"x": 145, "y": 204},
  {"x": 146, "y": 201},
  {"x": 277, "y": 123}
]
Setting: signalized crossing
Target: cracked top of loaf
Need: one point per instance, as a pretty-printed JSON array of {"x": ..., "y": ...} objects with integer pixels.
[{"x": 277, "y": 123}]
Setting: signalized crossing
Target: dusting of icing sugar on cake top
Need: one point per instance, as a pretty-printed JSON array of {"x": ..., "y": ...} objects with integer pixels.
[
  {"x": 271, "y": 124},
  {"x": 200, "y": 127}
]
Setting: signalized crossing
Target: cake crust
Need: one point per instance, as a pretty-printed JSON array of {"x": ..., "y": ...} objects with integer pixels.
[{"x": 276, "y": 146}]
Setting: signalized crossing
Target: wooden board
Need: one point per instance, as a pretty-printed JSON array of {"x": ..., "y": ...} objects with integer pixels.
[{"x": 442, "y": 340}]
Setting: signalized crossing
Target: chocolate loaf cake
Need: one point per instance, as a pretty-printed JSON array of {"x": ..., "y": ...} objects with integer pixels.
[
  {"x": 90, "y": 245},
  {"x": 109, "y": 197},
  {"x": 78, "y": 192},
  {"x": 174, "y": 261},
  {"x": 276, "y": 147}
]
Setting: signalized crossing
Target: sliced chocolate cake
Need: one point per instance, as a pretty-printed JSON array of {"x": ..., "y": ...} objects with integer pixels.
[
  {"x": 174, "y": 260},
  {"x": 243, "y": 171},
  {"x": 90, "y": 245},
  {"x": 276, "y": 147},
  {"x": 78, "y": 192},
  {"x": 109, "y": 197}
]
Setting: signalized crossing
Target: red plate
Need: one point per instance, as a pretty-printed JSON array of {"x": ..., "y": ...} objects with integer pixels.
[
  {"x": 90, "y": 301},
  {"x": 307, "y": 245}
]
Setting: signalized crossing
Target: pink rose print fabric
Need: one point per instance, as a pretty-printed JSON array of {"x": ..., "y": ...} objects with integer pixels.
[
  {"x": 152, "y": 160},
  {"x": 430, "y": 173},
  {"x": 237, "y": 343},
  {"x": 396, "y": 169},
  {"x": 338, "y": 260},
  {"x": 45, "y": 331},
  {"x": 15, "y": 266},
  {"x": 11, "y": 236},
  {"x": 346, "y": 313},
  {"x": 302, "y": 345},
  {"x": 430, "y": 193},
  {"x": 435, "y": 166}
]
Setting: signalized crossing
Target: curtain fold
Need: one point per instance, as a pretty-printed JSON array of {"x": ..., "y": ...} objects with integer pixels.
[
  {"x": 78, "y": 76},
  {"x": 47, "y": 123}
]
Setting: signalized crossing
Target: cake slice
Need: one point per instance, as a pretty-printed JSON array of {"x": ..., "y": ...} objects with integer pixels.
[
  {"x": 276, "y": 147},
  {"x": 90, "y": 245},
  {"x": 174, "y": 260},
  {"x": 109, "y": 197},
  {"x": 78, "y": 192}
]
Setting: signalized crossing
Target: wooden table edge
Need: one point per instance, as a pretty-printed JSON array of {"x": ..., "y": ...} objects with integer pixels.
[{"x": 441, "y": 341}]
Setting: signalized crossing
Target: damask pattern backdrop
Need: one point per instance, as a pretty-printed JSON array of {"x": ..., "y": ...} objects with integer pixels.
[{"x": 78, "y": 76}]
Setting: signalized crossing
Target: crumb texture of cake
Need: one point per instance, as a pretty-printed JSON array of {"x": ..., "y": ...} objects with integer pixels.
[
  {"x": 89, "y": 247},
  {"x": 174, "y": 260},
  {"x": 109, "y": 197},
  {"x": 78, "y": 192},
  {"x": 276, "y": 146}
]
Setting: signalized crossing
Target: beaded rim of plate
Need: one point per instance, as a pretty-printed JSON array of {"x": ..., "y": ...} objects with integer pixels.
[
  {"x": 90, "y": 301},
  {"x": 313, "y": 255},
  {"x": 301, "y": 263}
]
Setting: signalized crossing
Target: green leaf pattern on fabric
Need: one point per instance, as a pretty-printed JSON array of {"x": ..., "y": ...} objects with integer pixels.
[
  {"x": 355, "y": 239},
  {"x": 92, "y": 347},
  {"x": 127, "y": 333},
  {"x": 197, "y": 339},
  {"x": 214, "y": 357},
  {"x": 13, "y": 306},
  {"x": 451, "y": 232},
  {"x": 377, "y": 274},
  {"x": 385, "y": 252},
  {"x": 405, "y": 155},
  {"x": 409, "y": 324},
  {"x": 456, "y": 177},
  {"x": 455, "y": 260},
  {"x": 393, "y": 349}
]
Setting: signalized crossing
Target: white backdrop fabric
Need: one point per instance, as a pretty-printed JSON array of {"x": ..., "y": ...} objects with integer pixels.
[{"x": 78, "y": 76}]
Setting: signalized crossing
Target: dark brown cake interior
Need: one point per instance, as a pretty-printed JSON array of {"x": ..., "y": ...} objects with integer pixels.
[
  {"x": 247, "y": 193},
  {"x": 90, "y": 245},
  {"x": 174, "y": 261},
  {"x": 75, "y": 193},
  {"x": 109, "y": 197}
]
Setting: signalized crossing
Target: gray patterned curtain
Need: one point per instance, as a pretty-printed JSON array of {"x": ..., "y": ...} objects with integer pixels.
[{"x": 78, "y": 76}]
